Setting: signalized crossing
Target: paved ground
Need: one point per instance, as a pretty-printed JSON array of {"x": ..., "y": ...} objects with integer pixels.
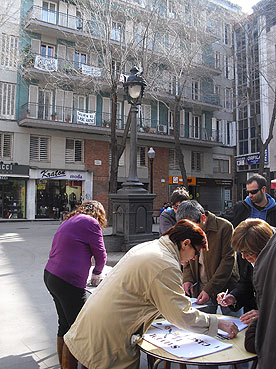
[{"x": 27, "y": 315}]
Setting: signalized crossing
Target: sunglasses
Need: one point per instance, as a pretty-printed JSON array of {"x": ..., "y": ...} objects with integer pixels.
[{"x": 253, "y": 192}]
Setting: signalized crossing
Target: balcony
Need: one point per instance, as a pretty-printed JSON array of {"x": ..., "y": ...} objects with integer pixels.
[{"x": 48, "y": 116}]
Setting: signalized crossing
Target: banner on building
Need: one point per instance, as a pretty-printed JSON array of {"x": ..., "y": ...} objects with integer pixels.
[
  {"x": 45, "y": 64},
  {"x": 91, "y": 71},
  {"x": 86, "y": 118}
]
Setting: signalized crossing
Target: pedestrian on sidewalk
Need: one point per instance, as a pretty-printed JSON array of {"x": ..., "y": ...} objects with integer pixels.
[
  {"x": 145, "y": 283},
  {"x": 77, "y": 240}
]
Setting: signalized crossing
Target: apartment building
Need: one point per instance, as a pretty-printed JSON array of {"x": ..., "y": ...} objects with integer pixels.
[
  {"x": 255, "y": 92},
  {"x": 56, "y": 111}
]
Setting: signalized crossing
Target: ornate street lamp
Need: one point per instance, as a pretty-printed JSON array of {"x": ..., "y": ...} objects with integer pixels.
[
  {"x": 134, "y": 88},
  {"x": 133, "y": 204},
  {"x": 151, "y": 156}
]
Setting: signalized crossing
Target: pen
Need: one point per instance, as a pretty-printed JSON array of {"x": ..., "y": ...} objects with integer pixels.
[
  {"x": 189, "y": 289},
  {"x": 225, "y": 295}
]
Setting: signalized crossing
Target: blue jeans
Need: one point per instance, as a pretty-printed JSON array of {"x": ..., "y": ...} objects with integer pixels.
[{"x": 225, "y": 310}]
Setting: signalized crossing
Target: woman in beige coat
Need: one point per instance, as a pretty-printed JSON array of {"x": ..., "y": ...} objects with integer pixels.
[{"x": 145, "y": 283}]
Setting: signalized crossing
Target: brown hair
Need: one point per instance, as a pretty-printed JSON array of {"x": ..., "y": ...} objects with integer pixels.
[
  {"x": 186, "y": 229},
  {"x": 179, "y": 194},
  {"x": 251, "y": 236},
  {"x": 92, "y": 208}
]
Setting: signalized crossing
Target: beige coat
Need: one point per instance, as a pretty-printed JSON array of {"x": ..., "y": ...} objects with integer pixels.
[{"x": 146, "y": 282}]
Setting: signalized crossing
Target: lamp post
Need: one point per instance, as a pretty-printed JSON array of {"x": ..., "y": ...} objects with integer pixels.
[
  {"x": 151, "y": 156},
  {"x": 132, "y": 204},
  {"x": 134, "y": 88}
]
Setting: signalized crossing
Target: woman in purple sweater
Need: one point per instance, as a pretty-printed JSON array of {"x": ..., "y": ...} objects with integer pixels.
[{"x": 77, "y": 239}]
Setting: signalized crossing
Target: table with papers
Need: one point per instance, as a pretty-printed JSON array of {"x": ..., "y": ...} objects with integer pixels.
[{"x": 165, "y": 342}]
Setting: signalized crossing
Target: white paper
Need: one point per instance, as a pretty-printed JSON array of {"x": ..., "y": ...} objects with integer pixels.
[
  {"x": 182, "y": 343},
  {"x": 195, "y": 305},
  {"x": 237, "y": 321}
]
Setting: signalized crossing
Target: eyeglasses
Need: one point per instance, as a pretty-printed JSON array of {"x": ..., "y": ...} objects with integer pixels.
[
  {"x": 197, "y": 253},
  {"x": 253, "y": 192},
  {"x": 248, "y": 253}
]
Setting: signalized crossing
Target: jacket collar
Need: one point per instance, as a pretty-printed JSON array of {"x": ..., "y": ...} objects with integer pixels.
[
  {"x": 172, "y": 247},
  {"x": 211, "y": 222}
]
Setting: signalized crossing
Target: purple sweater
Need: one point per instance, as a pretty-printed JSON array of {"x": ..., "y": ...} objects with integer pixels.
[{"x": 75, "y": 242}]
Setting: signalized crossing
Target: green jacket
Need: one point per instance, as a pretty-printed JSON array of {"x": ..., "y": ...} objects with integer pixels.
[{"x": 219, "y": 262}]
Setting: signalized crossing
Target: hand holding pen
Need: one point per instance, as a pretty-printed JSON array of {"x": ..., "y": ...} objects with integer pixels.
[
  {"x": 188, "y": 288},
  {"x": 225, "y": 299}
]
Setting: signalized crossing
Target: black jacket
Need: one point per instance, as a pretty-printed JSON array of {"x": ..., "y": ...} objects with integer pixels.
[{"x": 241, "y": 211}]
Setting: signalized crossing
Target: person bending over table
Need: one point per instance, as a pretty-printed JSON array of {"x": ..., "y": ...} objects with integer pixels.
[
  {"x": 249, "y": 238},
  {"x": 145, "y": 283},
  {"x": 77, "y": 239}
]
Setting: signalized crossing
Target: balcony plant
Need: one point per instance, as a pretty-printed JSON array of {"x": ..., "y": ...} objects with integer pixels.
[
  {"x": 53, "y": 116},
  {"x": 67, "y": 119}
]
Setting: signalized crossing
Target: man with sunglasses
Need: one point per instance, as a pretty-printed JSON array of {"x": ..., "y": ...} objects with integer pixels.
[{"x": 258, "y": 204}]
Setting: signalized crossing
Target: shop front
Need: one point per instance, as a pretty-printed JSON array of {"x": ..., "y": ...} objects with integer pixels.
[
  {"x": 57, "y": 192},
  {"x": 13, "y": 179}
]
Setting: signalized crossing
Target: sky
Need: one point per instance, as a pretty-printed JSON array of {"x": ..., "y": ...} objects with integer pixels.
[{"x": 245, "y": 4}]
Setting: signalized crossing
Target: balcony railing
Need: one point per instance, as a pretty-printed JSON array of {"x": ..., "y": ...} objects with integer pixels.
[
  {"x": 63, "y": 114},
  {"x": 51, "y": 64}
]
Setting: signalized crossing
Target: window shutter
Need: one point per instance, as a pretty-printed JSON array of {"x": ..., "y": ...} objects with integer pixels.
[
  {"x": 7, "y": 142},
  {"x": 44, "y": 154},
  {"x": 61, "y": 52},
  {"x": 34, "y": 148},
  {"x": 35, "y": 46},
  {"x": 33, "y": 100},
  {"x": 78, "y": 150},
  {"x": 92, "y": 103},
  {"x": 59, "y": 104},
  {"x": 69, "y": 151}
]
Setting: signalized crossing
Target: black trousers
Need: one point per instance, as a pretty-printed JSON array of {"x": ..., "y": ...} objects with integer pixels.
[{"x": 68, "y": 300}]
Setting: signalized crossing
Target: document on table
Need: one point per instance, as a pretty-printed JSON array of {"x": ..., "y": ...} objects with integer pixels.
[
  {"x": 182, "y": 343},
  {"x": 237, "y": 321},
  {"x": 195, "y": 305}
]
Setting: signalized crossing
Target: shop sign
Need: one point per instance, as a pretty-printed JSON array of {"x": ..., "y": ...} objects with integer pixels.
[
  {"x": 251, "y": 159},
  {"x": 214, "y": 182},
  {"x": 59, "y": 174},
  {"x": 14, "y": 168},
  {"x": 179, "y": 180}
]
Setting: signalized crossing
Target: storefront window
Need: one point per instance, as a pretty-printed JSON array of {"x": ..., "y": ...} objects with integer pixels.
[
  {"x": 56, "y": 197},
  {"x": 12, "y": 199}
]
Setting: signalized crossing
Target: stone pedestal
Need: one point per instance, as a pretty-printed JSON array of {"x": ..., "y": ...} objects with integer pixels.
[{"x": 132, "y": 209}]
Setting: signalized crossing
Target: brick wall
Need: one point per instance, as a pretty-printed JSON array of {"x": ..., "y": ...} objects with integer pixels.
[
  {"x": 98, "y": 150},
  {"x": 160, "y": 171}
]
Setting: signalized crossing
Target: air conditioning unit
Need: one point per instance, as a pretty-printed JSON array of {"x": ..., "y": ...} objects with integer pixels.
[{"x": 162, "y": 128}]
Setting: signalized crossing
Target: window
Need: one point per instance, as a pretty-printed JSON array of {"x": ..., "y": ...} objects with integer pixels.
[
  {"x": 228, "y": 99},
  {"x": 116, "y": 69},
  {"x": 227, "y": 34},
  {"x": 7, "y": 100},
  {"x": 6, "y": 145},
  {"x": 195, "y": 90},
  {"x": 196, "y": 161},
  {"x": 141, "y": 156},
  {"x": 173, "y": 160},
  {"x": 118, "y": 32},
  {"x": 9, "y": 51},
  {"x": 195, "y": 129},
  {"x": 39, "y": 148},
  {"x": 220, "y": 166},
  {"x": 49, "y": 12},
  {"x": 79, "y": 60},
  {"x": 217, "y": 60},
  {"x": 226, "y": 72},
  {"x": 47, "y": 51},
  {"x": 74, "y": 151}
]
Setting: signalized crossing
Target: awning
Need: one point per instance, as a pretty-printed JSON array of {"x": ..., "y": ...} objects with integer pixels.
[{"x": 273, "y": 184}]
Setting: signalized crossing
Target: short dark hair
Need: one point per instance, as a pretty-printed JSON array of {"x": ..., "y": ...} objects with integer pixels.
[
  {"x": 186, "y": 229},
  {"x": 190, "y": 209},
  {"x": 262, "y": 182},
  {"x": 179, "y": 194}
]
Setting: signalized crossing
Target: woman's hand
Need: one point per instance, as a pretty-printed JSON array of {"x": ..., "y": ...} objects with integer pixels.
[
  {"x": 249, "y": 316},
  {"x": 187, "y": 287},
  {"x": 225, "y": 300},
  {"x": 202, "y": 297},
  {"x": 95, "y": 280},
  {"x": 228, "y": 327}
]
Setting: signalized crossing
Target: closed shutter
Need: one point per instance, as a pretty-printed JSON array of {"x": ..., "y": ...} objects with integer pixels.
[
  {"x": 146, "y": 111},
  {"x": 39, "y": 148},
  {"x": 33, "y": 101},
  {"x": 94, "y": 59},
  {"x": 106, "y": 109},
  {"x": 68, "y": 104},
  {"x": 70, "y": 56},
  {"x": 78, "y": 151},
  {"x": 182, "y": 123},
  {"x": 69, "y": 150},
  {"x": 92, "y": 103},
  {"x": 35, "y": 46},
  {"x": 61, "y": 54},
  {"x": 60, "y": 105},
  {"x": 6, "y": 145},
  {"x": 62, "y": 18}
]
